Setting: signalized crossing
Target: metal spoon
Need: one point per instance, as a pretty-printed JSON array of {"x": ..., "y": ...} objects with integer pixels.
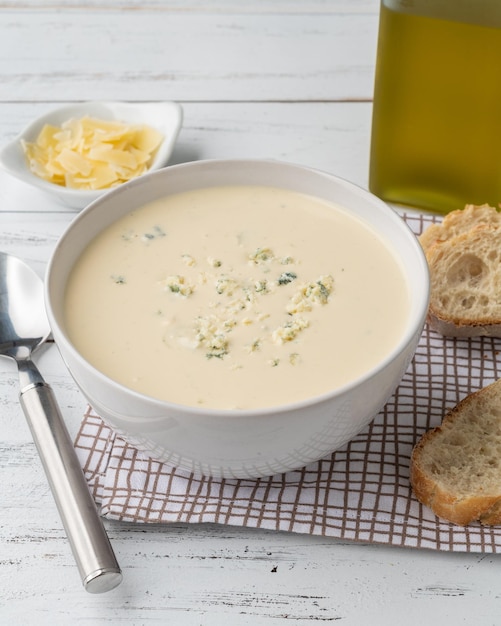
[{"x": 23, "y": 328}]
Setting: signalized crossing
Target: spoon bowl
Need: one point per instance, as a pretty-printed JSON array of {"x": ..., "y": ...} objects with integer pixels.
[
  {"x": 21, "y": 292},
  {"x": 23, "y": 329}
]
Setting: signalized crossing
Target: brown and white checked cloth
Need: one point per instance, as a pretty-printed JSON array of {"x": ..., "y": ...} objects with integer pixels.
[{"x": 359, "y": 493}]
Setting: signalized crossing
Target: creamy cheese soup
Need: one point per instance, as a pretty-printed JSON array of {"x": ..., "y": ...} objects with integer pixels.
[{"x": 235, "y": 298}]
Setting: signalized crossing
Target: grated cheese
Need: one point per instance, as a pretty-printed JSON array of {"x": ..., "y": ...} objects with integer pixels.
[{"x": 90, "y": 153}]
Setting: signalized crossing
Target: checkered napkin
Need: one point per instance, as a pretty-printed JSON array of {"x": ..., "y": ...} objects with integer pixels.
[{"x": 359, "y": 493}]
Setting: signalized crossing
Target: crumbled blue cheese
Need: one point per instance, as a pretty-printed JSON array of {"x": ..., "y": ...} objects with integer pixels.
[
  {"x": 188, "y": 260},
  {"x": 241, "y": 300},
  {"x": 320, "y": 290},
  {"x": 254, "y": 346},
  {"x": 178, "y": 284},
  {"x": 286, "y": 277},
  {"x": 213, "y": 262},
  {"x": 310, "y": 294},
  {"x": 290, "y": 330},
  {"x": 154, "y": 233},
  {"x": 118, "y": 279},
  {"x": 212, "y": 336},
  {"x": 261, "y": 286},
  {"x": 146, "y": 237},
  {"x": 226, "y": 285},
  {"x": 261, "y": 256}
]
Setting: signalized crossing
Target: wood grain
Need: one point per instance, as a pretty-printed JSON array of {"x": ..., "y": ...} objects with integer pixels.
[{"x": 173, "y": 55}]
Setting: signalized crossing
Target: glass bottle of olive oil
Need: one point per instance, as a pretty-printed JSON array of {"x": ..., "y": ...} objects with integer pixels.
[{"x": 436, "y": 127}]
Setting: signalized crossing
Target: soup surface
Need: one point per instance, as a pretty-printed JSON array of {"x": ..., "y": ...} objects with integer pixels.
[{"x": 236, "y": 298}]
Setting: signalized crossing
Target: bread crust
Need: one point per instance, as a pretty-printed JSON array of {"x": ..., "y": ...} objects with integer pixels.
[
  {"x": 451, "y": 328},
  {"x": 454, "y": 506}
]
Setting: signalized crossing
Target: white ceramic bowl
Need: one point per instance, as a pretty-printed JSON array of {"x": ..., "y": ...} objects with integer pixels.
[
  {"x": 247, "y": 443},
  {"x": 164, "y": 116}
]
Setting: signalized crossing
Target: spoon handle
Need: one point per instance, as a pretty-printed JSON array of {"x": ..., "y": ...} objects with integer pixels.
[{"x": 91, "y": 547}]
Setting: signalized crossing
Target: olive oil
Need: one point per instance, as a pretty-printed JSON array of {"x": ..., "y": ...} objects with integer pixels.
[{"x": 436, "y": 128}]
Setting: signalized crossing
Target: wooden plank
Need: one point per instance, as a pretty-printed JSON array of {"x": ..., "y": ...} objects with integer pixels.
[
  {"x": 159, "y": 55},
  {"x": 215, "y": 6}
]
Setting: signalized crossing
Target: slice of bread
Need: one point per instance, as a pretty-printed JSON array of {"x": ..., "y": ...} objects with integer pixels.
[
  {"x": 464, "y": 258},
  {"x": 459, "y": 222},
  {"x": 456, "y": 468}
]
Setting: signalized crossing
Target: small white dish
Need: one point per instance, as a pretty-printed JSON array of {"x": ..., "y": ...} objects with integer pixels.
[{"x": 166, "y": 117}]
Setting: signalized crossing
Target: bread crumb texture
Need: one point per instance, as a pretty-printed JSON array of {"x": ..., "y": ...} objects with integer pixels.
[
  {"x": 464, "y": 255},
  {"x": 456, "y": 468}
]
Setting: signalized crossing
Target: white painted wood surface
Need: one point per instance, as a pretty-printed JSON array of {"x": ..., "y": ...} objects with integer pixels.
[{"x": 287, "y": 79}]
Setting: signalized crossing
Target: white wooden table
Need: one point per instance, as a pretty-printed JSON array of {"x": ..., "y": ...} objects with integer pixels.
[{"x": 286, "y": 79}]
